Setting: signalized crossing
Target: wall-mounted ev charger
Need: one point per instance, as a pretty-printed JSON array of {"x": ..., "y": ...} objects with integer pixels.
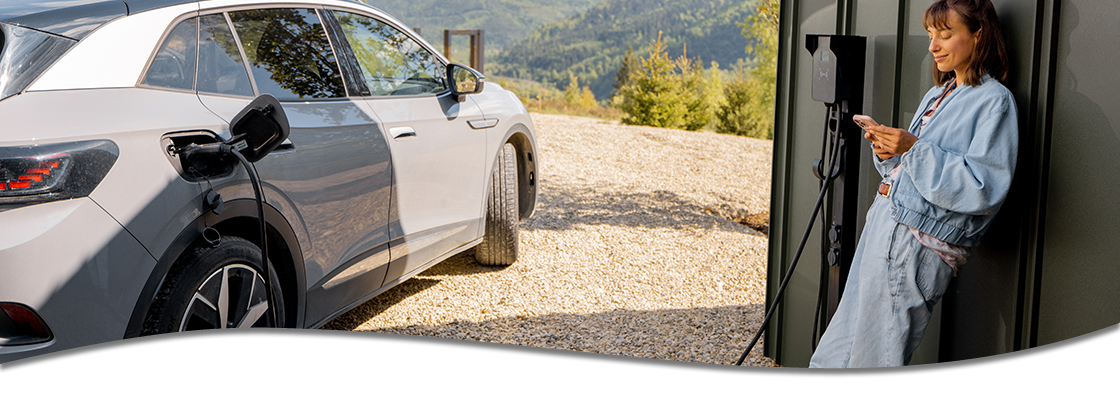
[{"x": 837, "y": 77}]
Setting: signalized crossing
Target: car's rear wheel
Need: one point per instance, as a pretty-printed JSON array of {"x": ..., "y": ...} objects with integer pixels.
[
  {"x": 217, "y": 287},
  {"x": 499, "y": 243}
]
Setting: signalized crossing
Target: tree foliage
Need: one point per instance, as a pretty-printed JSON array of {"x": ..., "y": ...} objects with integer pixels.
[
  {"x": 505, "y": 21},
  {"x": 659, "y": 91},
  {"x": 628, "y": 64},
  {"x": 749, "y": 96},
  {"x": 694, "y": 90},
  {"x": 577, "y": 96},
  {"x": 592, "y": 45}
]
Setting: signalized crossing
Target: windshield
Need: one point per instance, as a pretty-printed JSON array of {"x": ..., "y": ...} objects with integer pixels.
[{"x": 24, "y": 55}]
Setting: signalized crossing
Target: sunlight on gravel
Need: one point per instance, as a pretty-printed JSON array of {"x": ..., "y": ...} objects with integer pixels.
[{"x": 633, "y": 250}]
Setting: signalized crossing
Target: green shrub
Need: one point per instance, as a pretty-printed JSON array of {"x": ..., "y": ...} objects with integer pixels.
[
  {"x": 748, "y": 107},
  {"x": 580, "y": 97},
  {"x": 694, "y": 90},
  {"x": 658, "y": 91}
]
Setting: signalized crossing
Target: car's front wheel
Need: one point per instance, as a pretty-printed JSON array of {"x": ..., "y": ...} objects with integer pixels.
[
  {"x": 217, "y": 287},
  {"x": 499, "y": 243}
]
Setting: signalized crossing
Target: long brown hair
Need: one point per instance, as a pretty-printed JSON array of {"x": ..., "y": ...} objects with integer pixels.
[{"x": 991, "y": 51}]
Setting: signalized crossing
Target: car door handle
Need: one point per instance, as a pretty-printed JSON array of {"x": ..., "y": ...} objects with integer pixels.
[{"x": 402, "y": 133}]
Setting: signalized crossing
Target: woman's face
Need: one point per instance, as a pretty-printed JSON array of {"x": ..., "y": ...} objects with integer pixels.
[{"x": 952, "y": 48}]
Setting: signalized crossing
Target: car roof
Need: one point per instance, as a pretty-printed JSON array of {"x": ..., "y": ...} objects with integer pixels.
[
  {"x": 74, "y": 18},
  {"x": 77, "y": 18}
]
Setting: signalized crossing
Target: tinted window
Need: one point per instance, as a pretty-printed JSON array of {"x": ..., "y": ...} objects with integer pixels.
[
  {"x": 289, "y": 53},
  {"x": 173, "y": 66},
  {"x": 220, "y": 69},
  {"x": 391, "y": 62}
]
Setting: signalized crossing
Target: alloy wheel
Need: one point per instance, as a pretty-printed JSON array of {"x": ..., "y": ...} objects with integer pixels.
[{"x": 234, "y": 296}]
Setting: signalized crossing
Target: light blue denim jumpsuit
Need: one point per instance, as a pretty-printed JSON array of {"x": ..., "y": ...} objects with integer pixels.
[{"x": 951, "y": 184}]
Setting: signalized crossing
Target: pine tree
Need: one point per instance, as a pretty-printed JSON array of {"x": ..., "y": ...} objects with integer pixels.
[
  {"x": 749, "y": 106},
  {"x": 626, "y": 67},
  {"x": 713, "y": 90},
  {"x": 652, "y": 96},
  {"x": 580, "y": 97},
  {"x": 693, "y": 90},
  {"x": 740, "y": 95},
  {"x": 587, "y": 99},
  {"x": 571, "y": 93}
]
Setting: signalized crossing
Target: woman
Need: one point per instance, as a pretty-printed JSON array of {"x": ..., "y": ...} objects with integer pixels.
[{"x": 943, "y": 182}]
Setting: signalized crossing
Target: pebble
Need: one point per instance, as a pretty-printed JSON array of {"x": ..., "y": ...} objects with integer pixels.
[{"x": 633, "y": 251}]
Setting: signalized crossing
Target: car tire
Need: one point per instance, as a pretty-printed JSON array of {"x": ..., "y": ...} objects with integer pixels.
[
  {"x": 216, "y": 287},
  {"x": 499, "y": 242}
]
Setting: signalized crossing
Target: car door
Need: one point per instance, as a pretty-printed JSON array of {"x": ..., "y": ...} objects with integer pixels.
[
  {"x": 438, "y": 159},
  {"x": 332, "y": 178}
]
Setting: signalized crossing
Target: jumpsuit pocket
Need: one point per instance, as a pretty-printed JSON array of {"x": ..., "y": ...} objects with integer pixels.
[
  {"x": 902, "y": 244},
  {"x": 933, "y": 275}
]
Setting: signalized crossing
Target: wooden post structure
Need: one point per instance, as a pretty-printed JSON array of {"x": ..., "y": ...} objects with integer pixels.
[{"x": 478, "y": 45}]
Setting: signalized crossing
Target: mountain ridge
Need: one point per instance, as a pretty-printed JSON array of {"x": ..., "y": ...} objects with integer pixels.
[
  {"x": 591, "y": 45},
  {"x": 505, "y": 21}
]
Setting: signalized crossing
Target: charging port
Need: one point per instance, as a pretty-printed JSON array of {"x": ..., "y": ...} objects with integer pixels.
[{"x": 201, "y": 168}]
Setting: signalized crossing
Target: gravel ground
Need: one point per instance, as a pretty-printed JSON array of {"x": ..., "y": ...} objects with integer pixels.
[{"x": 634, "y": 250}]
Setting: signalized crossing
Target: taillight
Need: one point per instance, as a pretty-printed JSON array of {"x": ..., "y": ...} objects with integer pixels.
[
  {"x": 32, "y": 175},
  {"x": 53, "y": 172}
]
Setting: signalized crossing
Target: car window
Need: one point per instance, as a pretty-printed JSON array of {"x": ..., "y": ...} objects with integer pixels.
[
  {"x": 220, "y": 69},
  {"x": 288, "y": 52},
  {"x": 173, "y": 66},
  {"x": 391, "y": 62}
]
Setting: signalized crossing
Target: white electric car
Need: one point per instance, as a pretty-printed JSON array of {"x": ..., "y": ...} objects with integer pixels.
[{"x": 396, "y": 159}]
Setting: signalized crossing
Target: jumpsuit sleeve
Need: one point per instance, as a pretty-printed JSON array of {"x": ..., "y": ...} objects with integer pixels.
[
  {"x": 884, "y": 166},
  {"x": 977, "y": 181}
]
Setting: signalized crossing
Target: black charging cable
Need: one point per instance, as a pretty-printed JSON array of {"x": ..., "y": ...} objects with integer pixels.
[
  {"x": 255, "y": 180},
  {"x": 828, "y": 177},
  {"x": 193, "y": 151},
  {"x": 832, "y": 126}
]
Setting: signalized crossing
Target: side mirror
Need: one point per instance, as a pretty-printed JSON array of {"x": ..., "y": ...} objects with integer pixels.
[
  {"x": 464, "y": 80},
  {"x": 259, "y": 128}
]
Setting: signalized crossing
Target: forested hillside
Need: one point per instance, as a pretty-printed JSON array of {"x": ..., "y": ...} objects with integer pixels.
[
  {"x": 591, "y": 45},
  {"x": 505, "y": 21}
]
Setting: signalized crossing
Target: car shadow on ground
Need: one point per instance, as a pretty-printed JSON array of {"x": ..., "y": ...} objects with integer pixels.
[
  {"x": 712, "y": 335},
  {"x": 459, "y": 264},
  {"x": 705, "y": 335},
  {"x": 354, "y": 318},
  {"x": 561, "y": 209}
]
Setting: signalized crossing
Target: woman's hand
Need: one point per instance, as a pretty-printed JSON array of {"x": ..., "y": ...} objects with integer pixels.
[{"x": 888, "y": 142}]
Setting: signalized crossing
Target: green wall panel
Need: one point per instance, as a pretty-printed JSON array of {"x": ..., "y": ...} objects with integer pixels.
[
  {"x": 801, "y": 132},
  {"x": 1080, "y": 285},
  {"x": 1049, "y": 267}
]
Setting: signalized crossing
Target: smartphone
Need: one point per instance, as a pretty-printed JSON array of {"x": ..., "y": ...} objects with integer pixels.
[{"x": 864, "y": 121}]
